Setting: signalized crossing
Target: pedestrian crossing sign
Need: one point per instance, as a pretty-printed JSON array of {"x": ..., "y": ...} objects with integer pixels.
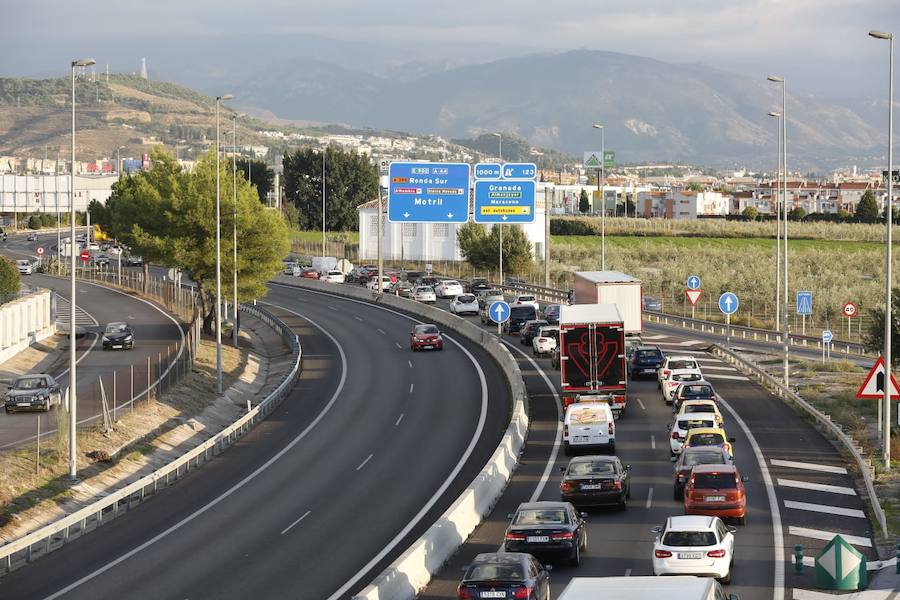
[
  {"x": 804, "y": 303},
  {"x": 873, "y": 386}
]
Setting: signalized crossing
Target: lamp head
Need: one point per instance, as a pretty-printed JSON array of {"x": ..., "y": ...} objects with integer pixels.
[
  {"x": 881, "y": 35},
  {"x": 84, "y": 62},
  {"x": 774, "y": 113},
  {"x": 775, "y": 78},
  {"x": 224, "y": 97},
  {"x": 597, "y": 126}
]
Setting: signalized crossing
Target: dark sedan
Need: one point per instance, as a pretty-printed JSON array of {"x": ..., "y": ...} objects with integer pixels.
[
  {"x": 518, "y": 316},
  {"x": 652, "y": 304},
  {"x": 551, "y": 314},
  {"x": 530, "y": 331},
  {"x": 32, "y": 392},
  {"x": 504, "y": 575},
  {"x": 118, "y": 335},
  {"x": 693, "y": 390},
  {"x": 646, "y": 360},
  {"x": 547, "y": 530},
  {"x": 691, "y": 457},
  {"x": 476, "y": 283},
  {"x": 426, "y": 337},
  {"x": 596, "y": 481}
]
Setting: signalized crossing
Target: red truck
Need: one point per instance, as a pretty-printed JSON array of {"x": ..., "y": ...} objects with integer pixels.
[{"x": 592, "y": 354}]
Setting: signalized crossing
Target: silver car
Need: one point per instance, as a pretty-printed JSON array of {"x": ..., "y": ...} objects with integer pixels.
[{"x": 32, "y": 392}]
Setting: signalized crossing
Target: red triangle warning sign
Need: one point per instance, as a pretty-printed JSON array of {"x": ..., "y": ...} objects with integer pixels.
[
  {"x": 873, "y": 386},
  {"x": 693, "y": 296}
]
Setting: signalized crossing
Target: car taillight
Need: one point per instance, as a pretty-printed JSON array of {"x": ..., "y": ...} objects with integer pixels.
[
  {"x": 617, "y": 485},
  {"x": 463, "y": 593},
  {"x": 675, "y": 435},
  {"x": 716, "y": 553},
  {"x": 567, "y": 486},
  {"x": 522, "y": 592},
  {"x": 662, "y": 554},
  {"x": 565, "y": 430},
  {"x": 567, "y": 535},
  {"x": 540, "y": 339},
  {"x": 515, "y": 536},
  {"x": 666, "y": 372},
  {"x": 611, "y": 429}
]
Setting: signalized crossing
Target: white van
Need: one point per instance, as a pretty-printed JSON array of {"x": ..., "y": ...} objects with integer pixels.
[
  {"x": 291, "y": 268},
  {"x": 589, "y": 425},
  {"x": 645, "y": 588}
]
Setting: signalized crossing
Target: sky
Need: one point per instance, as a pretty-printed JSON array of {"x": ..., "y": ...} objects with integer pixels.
[{"x": 820, "y": 46}]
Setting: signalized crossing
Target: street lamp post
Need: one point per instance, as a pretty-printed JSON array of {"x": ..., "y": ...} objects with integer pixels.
[
  {"x": 776, "y": 190},
  {"x": 785, "y": 321},
  {"x": 323, "y": 209},
  {"x": 601, "y": 189},
  {"x": 888, "y": 218},
  {"x": 500, "y": 137},
  {"x": 547, "y": 202},
  {"x": 234, "y": 320},
  {"x": 73, "y": 420},
  {"x": 219, "y": 254}
]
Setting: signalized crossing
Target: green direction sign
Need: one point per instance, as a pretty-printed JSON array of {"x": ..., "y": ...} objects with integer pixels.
[
  {"x": 609, "y": 158},
  {"x": 840, "y": 566}
]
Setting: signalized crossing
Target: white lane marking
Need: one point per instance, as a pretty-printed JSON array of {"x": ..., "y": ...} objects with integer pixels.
[
  {"x": 818, "y": 487},
  {"x": 655, "y": 337},
  {"x": 412, "y": 386},
  {"x": 718, "y": 368},
  {"x": 400, "y": 418},
  {"x": 131, "y": 317},
  {"x": 728, "y": 377},
  {"x": 363, "y": 463},
  {"x": 235, "y": 487},
  {"x": 380, "y": 330},
  {"x": 653, "y": 442},
  {"x": 641, "y": 404},
  {"x": 774, "y": 510},
  {"x": 333, "y": 307},
  {"x": 822, "y": 508},
  {"x": 649, "y": 499},
  {"x": 818, "y": 534},
  {"x": 398, "y": 345},
  {"x": 358, "y": 318},
  {"x": 628, "y": 571},
  {"x": 288, "y": 528},
  {"x": 800, "y": 594},
  {"x": 482, "y": 417},
  {"x": 409, "y": 362},
  {"x": 808, "y": 466}
]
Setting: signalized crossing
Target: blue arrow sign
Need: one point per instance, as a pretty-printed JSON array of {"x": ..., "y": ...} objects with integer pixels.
[
  {"x": 428, "y": 192},
  {"x": 504, "y": 201},
  {"x": 728, "y": 303},
  {"x": 519, "y": 171},
  {"x": 499, "y": 311},
  {"x": 487, "y": 171},
  {"x": 693, "y": 282},
  {"x": 827, "y": 336},
  {"x": 804, "y": 303}
]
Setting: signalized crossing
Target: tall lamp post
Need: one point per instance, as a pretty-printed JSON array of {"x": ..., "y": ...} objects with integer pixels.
[
  {"x": 73, "y": 420},
  {"x": 500, "y": 137},
  {"x": 888, "y": 218},
  {"x": 219, "y": 99},
  {"x": 785, "y": 321},
  {"x": 776, "y": 190},
  {"x": 234, "y": 324},
  {"x": 547, "y": 202},
  {"x": 601, "y": 189}
]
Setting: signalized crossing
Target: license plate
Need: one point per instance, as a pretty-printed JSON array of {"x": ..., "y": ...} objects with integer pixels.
[
  {"x": 428, "y": 347},
  {"x": 493, "y": 594},
  {"x": 537, "y": 539},
  {"x": 592, "y": 486},
  {"x": 715, "y": 498},
  {"x": 690, "y": 555},
  {"x": 117, "y": 345},
  {"x": 582, "y": 438},
  {"x": 649, "y": 370},
  {"x": 23, "y": 404}
]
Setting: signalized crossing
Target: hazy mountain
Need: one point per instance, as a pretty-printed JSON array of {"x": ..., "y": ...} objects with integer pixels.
[{"x": 651, "y": 110}]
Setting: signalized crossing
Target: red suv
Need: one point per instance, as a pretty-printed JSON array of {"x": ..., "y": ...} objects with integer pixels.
[{"x": 716, "y": 491}]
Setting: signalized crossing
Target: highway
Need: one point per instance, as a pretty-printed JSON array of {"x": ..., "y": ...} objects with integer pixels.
[
  {"x": 155, "y": 331},
  {"x": 373, "y": 444}
]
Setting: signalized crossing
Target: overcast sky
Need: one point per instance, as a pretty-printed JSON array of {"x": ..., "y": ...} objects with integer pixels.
[{"x": 821, "y": 46}]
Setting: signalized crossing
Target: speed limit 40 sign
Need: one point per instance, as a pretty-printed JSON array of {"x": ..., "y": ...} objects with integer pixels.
[{"x": 850, "y": 309}]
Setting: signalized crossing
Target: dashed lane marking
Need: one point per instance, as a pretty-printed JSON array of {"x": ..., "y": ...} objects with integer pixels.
[
  {"x": 288, "y": 528},
  {"x": 363, "y": 463},
  {"x": 822, "y": 508},
  {"x": 808, "y": 466},
  {"x": 817, "y": 487},
  {"x": 818, "y": 534}
]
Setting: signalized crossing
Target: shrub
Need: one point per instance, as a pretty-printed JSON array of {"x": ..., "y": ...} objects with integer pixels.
[
  {"x": 34, "y": 222},
  {"x": 10, "y": 280}
]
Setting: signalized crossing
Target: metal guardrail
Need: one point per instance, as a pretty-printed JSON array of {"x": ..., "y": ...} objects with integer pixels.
[
  {"x": 51, "y": 537},
  {"x": 779, "y": 389}
]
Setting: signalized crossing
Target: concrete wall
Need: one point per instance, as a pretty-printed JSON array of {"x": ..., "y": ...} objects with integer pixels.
[{"x": 25, "y": 321}]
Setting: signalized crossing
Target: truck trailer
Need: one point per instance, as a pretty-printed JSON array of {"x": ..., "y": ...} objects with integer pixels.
[{"x": 611, "y": 287}]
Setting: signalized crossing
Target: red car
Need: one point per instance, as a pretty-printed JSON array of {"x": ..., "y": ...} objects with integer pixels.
[
  {"x": 716, "y": 491},
  {"x": 426, "y": 337},
  {"x": 309, "y": 274}
]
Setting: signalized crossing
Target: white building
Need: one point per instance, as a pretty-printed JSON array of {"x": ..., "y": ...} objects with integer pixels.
[
  {"x": 50, "y": 193},
  {"x": 426, "y": 241}
]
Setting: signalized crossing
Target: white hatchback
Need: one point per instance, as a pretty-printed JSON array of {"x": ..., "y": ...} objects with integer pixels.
[
  {"x": 385, "y": 283},
  {"x": 679, "y": 428},
  {"x": 675, "y": 378},
  {"x": 525, "y": 300},
  {"x": 675, "y": 362},
  {"x": 546, "y": 340},
  {"x": 424, "y": 293},
  {"x": 694, "y": 545},
  {"x": 448, "y": 288},
  {"x": 589, "y": 426},
  {"x": 464, "y": 304},
  {"x": 25, "y": 267},
  {"x": 334, "y": 277}
]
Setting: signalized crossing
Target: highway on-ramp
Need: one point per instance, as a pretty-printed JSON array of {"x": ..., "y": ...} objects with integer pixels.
[{"x": 364, "y": 454}]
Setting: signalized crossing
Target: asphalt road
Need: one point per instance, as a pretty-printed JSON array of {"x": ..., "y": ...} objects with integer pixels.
[
  {"x": 339, "y": 474},
  {"x": 156, "y": 333}
]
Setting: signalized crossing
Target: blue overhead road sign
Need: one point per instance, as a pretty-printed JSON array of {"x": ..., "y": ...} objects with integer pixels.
[
  {"x": 487, "y": 171},
  {"x": 519, "y": 171},
  {"x": 504, "y": 201},
  {"x": 728, "y": 303},
  {"x": 693, "y": 282},
  {"x": 804, "y": 303},
  {"x": 428, "y": 192},
  {"x": 499, "y": 311}
]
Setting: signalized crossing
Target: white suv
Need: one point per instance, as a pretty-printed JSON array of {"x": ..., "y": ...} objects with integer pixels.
[
  {"x": 694, "y": 545},
  {"x": 675, "y": 378},
  {"x": 671, "y": 363},
  {"x": 546, "y": 340}
]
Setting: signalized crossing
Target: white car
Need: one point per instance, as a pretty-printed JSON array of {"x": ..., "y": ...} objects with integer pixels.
[
  {"x": 464, "y": 304},
  {"x": 448, "y": 288},
  {"x": 676, "y": 377},
  {"x": 545, "y": 341},
  {"x": 673, "y": 362},
  {"x": 292, "y": 269},
  {"x": 679, "y": 428},
  {"x": 25, "y": 267},
  {"x": 689, "y": 407},
  {"x": 424, "y": 293},
  {"x": 694, "y": 545},
  {"x": 524, "y": 300},
  {"x": 334, "y": 277},
  {"x": 385, "y": 283}
]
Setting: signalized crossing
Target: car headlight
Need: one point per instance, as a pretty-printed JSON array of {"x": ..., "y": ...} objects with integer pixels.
[
  {"x": 128, "y": 337},
  {"x": 105, "y": 339}
]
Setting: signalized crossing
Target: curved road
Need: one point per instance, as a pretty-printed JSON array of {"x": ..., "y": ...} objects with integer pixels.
[{"x": 322, "y": 495}]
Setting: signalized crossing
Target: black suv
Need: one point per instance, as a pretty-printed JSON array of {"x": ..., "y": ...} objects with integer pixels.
[
  {"x": 646, "y": 360},
  {"x": 518, "y": 316}
]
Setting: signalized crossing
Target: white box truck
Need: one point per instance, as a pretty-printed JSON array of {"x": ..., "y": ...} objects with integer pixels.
[
  {"x": 644, "y": 588},
  {"x": 323, "y": 264},
  {"x": 612, "y": 287}
]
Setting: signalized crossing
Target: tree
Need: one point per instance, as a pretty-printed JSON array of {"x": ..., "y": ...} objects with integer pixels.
[
  {"x": 291, "y": 216},
  {"x": 797, "y": 214},
  {"x": 472, "y": 241},
  {"x": 867, "y": 208},
  {"x": 874, "y": 338},
  {"x": 750, "y": 213},
  {"x": 261, "y": 176},
  {"x": 34, "y": 222},
  {"x": 843, "y": 214},
  {"x": 695, "y": 186},
  {"x": 584, "y": 204},
  {"x": 10, "y": 280},
  {"x": 481, "y": 248},
  {"x": 350, "y": 180}
]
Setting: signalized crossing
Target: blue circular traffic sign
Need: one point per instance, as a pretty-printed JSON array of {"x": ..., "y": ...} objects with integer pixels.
[
  {"x": 693, "y": 282},
  {"x": 728, "y": 303},
  {"x": 827, "y": 336},
  {"x": 499, "y": 311}
]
